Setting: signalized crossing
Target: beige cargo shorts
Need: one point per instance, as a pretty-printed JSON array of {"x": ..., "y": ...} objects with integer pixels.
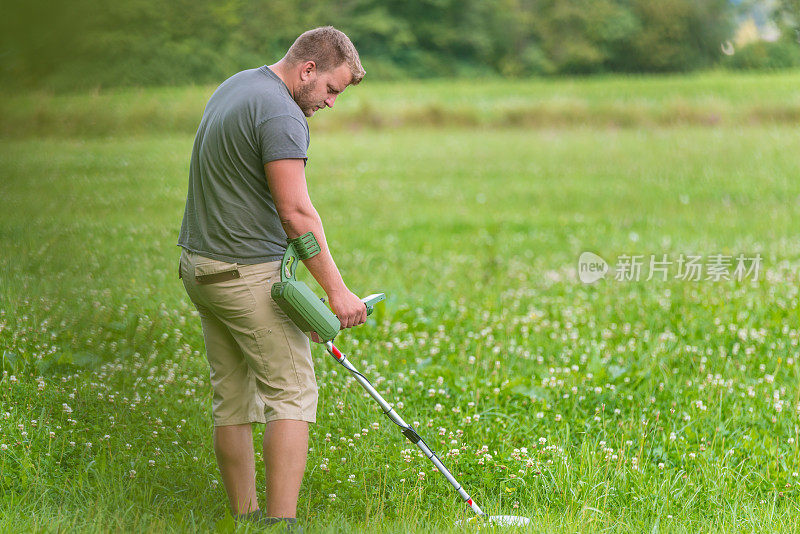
[{"x": 260, "y": 362}]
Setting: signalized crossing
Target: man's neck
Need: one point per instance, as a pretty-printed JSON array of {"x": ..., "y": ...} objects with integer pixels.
[{"x": 280, "y": 70}]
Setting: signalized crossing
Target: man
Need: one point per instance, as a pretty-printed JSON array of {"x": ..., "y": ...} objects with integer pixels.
[{"x": 247, "y": 195}]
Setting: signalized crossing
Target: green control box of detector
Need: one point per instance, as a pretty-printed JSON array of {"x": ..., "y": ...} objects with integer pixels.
[
  {"x": 297, "y": 300},
  {"x": 307, "y": 311}
]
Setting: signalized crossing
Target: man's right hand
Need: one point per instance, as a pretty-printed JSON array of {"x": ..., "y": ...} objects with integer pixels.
[{"x": 348, "y": 308}]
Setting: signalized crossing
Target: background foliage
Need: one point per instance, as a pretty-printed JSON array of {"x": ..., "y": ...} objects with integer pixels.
[{"x": 91, "y": 44}]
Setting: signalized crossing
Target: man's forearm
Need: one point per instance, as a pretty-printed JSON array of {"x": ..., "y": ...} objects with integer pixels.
[{"x": 321, "y": 266}]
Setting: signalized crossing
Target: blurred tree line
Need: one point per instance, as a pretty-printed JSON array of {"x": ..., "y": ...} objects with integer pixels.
[{"x": 101, "y": 43}]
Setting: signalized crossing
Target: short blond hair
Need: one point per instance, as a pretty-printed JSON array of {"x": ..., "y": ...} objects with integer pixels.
[{"x": 328, "y": 48}]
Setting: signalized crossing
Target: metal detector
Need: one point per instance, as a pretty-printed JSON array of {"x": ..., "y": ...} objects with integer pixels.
[{"x": 310, "y": 314}]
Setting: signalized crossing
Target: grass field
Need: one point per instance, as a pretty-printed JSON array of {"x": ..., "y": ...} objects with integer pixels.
[
  {"x": 623, "y": 406},
  {"x": 710, "y": 98}
]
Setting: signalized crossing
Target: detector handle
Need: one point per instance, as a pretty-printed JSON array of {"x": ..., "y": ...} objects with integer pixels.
[{"x": 371, "y": 300}]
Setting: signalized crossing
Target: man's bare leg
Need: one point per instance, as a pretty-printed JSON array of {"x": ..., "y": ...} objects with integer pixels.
[
  {"x": 285, "y": 452},
  {"x": 233, "y": 445}
]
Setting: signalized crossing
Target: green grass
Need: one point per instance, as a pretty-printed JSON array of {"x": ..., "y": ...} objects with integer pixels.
[
  {"x": 649, "y": 406},
  {"x": 709, "y": 98}
]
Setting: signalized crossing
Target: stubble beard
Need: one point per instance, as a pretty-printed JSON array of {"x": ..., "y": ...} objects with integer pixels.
[{"x": 303, "y": 97}]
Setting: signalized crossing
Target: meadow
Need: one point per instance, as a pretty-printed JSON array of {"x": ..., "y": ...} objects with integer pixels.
[{"x": 661, "y": 405}]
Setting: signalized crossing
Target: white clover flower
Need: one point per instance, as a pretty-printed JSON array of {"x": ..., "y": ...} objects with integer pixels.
[
  {"x": 131, "y": 473},
  {"x": 331, "y": 497},
  {"x": 438, "y": 407},
  {"x": 375, "y": 425},
  {"x": 661, "y": 465},
  {"x": 3, "y": 447},
  {"x": 65, "y": 408},
  {"x": 421, "y": 475}
]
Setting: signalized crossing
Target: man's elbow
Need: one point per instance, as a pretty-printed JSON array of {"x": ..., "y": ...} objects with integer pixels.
[{"x": 298, "y": 220}]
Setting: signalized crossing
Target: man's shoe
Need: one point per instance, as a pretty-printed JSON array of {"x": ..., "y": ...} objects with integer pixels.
[
  {"x": 257, "y": 518},
  {"x": 250, "y": 517},
  {"x": 290, "y": 524}
]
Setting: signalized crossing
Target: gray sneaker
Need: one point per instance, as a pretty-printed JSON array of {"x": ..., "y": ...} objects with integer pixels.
[
  {"x": 250, "y": 517},
  {"x": 289, "y": 524},
  {"x": 257, "y": 518}
]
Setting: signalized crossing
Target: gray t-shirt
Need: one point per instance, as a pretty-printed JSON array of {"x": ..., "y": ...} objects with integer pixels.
[{"x": 230, "y": 215}]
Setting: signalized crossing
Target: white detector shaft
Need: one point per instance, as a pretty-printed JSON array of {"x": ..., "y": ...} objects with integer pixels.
[{"x": 407, "y": 430}]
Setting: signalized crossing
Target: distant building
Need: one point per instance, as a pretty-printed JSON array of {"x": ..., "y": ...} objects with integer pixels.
[{"x": 755, "y": 23}]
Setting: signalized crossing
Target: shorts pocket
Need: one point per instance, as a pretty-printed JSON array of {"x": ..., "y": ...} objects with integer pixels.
[
  {"x": 260, "y": 354},
  {"x": 229, "y": 298}
]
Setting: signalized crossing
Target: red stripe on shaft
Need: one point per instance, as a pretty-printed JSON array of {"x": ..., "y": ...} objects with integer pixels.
[
  {"x": 469, "y": 502},
  {"x": 336, "y": 354}
]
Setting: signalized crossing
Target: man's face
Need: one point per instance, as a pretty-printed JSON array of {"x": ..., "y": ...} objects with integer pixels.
[{"x": 320, "y": 89}]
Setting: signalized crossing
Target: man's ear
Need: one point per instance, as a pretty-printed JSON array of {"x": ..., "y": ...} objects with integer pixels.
[{"x": 308, "y": 70}]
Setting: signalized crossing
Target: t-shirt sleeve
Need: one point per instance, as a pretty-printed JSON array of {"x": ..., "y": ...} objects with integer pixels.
[{"x": 282, "y": 137}]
